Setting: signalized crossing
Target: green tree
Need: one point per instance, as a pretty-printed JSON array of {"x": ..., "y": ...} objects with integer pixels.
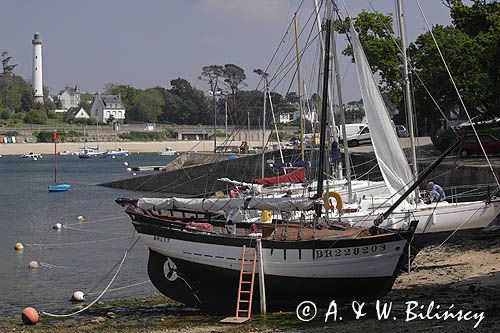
[
  {"x": 234, "y": 77},
  {"x": 292, "y": 97},
  {"x": 86, "y": 101},
  {"x": 377, "y": 37},
  {"x": 15, "y": 93},
  {"x": 461, "y": 53},
  {"x": 184, "y": 104},
  {"x": 148, "y": 105},
  {"x": 36, "y": 116},
  {"x": 7, "y": 68}
]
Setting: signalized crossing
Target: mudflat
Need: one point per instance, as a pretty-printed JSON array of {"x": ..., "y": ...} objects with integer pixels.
[{"x": 461, "y": 280}]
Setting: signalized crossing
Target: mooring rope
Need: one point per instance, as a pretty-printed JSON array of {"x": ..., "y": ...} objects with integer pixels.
[
  {"x": 76, "y": 243},
  {"x": 96, "y": 221},
  {"x": 121, "y": 288},
  {"x": 101, "y": 294}
]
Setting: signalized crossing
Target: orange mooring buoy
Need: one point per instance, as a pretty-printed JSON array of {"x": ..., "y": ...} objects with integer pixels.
[{"x": 30, "y": 316}]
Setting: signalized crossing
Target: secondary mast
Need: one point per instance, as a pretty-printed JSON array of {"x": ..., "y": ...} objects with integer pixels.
[
  {"x": 342, "y": 115},
  {"x": 408, "y": 100}
]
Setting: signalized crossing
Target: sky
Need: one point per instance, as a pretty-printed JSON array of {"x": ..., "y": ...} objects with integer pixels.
[{"x": 151, "y": 42}]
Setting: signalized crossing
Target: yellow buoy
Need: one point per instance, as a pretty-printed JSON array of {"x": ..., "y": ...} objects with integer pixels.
[
  {"x": 30, "y": 316},
  {"x": 328, "y": 205},
  {"x": 19, "y": 246},
  {"x": 81, "y": 218}
]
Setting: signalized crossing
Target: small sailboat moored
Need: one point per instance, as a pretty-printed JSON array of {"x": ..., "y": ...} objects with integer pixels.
[{"x": 57, "y": 187}]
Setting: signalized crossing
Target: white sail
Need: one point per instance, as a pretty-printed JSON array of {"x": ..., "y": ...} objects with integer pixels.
[
  {"x": 391, "y": 159},
  {"x": 226, "y": 204}
]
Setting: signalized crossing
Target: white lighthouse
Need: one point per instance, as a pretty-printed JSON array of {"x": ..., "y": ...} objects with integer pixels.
[{"x": 37, "y": 68}]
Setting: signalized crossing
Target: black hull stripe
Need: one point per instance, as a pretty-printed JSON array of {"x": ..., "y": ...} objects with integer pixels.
[{"x": 143, "y": 226}]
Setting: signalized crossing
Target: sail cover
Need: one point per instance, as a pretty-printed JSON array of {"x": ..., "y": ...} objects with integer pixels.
[
  {"x": 296, "y": 176},
  {"x": 226, "y": 204},
  {"x": 391, "y": 159}
]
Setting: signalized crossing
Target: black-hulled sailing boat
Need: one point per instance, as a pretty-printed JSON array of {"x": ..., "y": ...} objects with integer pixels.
[
  {"x": 57, "y": 187},
  {"x": 198, "y": 263}
]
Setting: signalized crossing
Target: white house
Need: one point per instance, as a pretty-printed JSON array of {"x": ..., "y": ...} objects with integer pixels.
[
  {"x": 105, "y": 106},
  {"x": 285, "y": 117},
  {"x": 76, "y": 112},
  {"x": 354, "y": 105},
  {"x": 69, "y": 97}
]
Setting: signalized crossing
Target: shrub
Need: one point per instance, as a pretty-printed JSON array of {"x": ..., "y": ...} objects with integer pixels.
[
  {"x": 63, "y": 136},
  {"x": 147, "y": 136},
  {"x": 35, "y": 117},
  {"x": 9, "y": 133}
]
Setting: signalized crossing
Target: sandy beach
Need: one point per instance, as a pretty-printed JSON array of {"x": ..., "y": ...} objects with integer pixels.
[
  {"x": 156, "y": 146},
  {"x": 131, "y": 146}
]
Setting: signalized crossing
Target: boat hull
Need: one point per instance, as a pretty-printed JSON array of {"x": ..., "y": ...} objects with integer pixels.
[
  {"x": 59, "y": 188},
  {"x": 215, "y": 289},
  {"x": 203, "y": 270}
]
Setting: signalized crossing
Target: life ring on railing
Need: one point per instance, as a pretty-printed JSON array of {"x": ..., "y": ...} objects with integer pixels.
[
  {"x": 266, "y": 216},
  {"x": 328, "y": 205}
]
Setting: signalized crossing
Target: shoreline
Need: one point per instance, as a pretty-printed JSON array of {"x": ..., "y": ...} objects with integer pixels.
[
  {"x": 131, "y": 146},
  {"x": 156, "y": 146}
]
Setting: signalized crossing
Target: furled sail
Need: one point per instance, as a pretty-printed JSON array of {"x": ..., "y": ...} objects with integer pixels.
[
  {"x": 296, "y": 176},
  {"x": 391, "y": 158},
  {"x": 226, "y": 204}
]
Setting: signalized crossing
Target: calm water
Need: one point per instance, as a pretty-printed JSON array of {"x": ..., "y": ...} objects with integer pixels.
[{"x": 28, "y": 212}]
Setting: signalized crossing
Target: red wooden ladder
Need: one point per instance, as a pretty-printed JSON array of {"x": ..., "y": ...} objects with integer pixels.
[{"x": 245, "y": 287}]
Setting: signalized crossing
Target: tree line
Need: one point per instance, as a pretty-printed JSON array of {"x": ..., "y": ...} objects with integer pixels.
[{"x": 470, "y": 46}]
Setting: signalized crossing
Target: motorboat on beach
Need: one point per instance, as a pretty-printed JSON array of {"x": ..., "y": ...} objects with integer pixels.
[
  {"x": 116, "y": 152},
  {"x": 33, "y": 156},
  {"x": 67, "y": 153},
  {"x": 169, "y": 151},
  {"x": 86, "y": 153}
]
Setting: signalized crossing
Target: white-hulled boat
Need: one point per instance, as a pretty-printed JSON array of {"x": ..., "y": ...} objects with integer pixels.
[
  {"x": 169, "y": 151},
  {"x": 33, "y": 156},
  {"x": 199, "y": 263},
  {"x": 116, "y": 152}
]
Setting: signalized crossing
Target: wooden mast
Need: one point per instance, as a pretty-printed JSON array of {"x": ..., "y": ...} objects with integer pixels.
[
  {"x": 324, "y": 107},
  {"x": 299, "y": 91}
]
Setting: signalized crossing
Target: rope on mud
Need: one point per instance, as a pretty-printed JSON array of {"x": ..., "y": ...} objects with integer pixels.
[
  {"x": 93, "y": 231},
  {"x": 77, "y": 243},
  {"x": 124, "y": 287},
  {"x": 47, "y": 265},
  {"x": 101, "y": 294},
  {"x": 96, "y": 221}
]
